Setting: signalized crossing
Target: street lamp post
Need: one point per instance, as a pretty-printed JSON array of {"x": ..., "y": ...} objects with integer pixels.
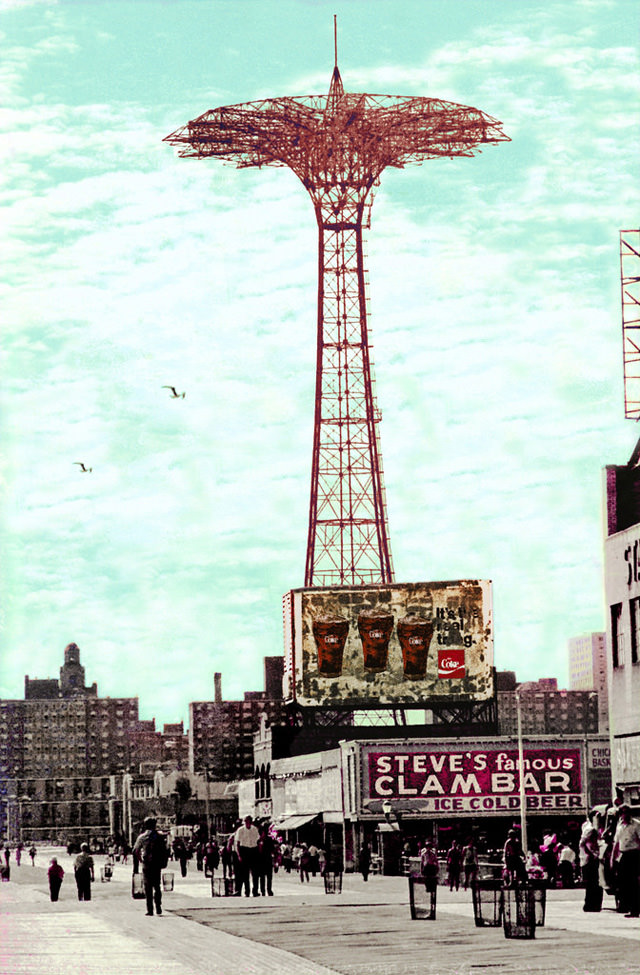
[
  {"x": 523, "y": 797},
  {"x": 206, "y": 803}
]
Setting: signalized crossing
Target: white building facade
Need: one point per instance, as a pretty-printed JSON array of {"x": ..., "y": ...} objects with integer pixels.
[{"x": 622, "y": 593}]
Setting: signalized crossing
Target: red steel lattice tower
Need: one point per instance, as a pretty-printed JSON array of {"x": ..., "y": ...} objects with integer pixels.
[
  {"x": 338, "y": 145},
  {"x": 630, "y": 286}
]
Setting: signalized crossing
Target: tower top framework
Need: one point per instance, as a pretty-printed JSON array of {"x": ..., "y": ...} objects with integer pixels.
[
  {"x": 338, "y": 145},
  {"x": 341, "y": 136},
  {"x": 630, "y": 295}
]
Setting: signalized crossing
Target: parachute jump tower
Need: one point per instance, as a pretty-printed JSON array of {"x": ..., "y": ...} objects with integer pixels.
[{"x": 338, "y": 145}]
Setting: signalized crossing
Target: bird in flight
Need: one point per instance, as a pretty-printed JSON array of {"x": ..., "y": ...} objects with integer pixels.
[
  {"x": 83, "y": 469},
  {"x": 174, "y": 394}
]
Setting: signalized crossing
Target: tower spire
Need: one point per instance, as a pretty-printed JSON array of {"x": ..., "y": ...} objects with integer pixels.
[{"x": 336, "y": 88}]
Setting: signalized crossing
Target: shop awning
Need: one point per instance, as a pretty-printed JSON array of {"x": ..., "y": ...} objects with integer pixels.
[{"x": 295, "y": 822}]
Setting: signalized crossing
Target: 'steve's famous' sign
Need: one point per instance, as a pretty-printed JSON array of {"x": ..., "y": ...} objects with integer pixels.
[
  {"x": 480, "y": 781},
  {"x": 366, "y": 646}
]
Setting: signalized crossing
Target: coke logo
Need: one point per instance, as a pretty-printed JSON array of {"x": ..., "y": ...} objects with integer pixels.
[
  {"x": 451, "y": 663},
  {"x": 416, "y": 641},
  {"x": 376, "y": 634},
  {"x": 447, "y": 664}
]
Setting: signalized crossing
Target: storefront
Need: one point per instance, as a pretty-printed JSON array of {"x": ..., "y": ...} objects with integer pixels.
[
  {"x": 306, "y": 793},
  {"x": 397, "y": 793}
]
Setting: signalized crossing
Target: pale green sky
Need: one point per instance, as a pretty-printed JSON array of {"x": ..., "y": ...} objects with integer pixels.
[{"x": 495, "y": 300}]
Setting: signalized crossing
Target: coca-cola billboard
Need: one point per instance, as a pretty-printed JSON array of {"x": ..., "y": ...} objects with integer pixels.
[
  {"x": 431, "y": 778},
  {"x": 410, "y": 643}
]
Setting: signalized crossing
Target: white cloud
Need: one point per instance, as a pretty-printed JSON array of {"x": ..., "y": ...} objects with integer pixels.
[{"x": 494, "y": 323}]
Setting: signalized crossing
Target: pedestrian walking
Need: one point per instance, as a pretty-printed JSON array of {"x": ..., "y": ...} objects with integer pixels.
[
  {"x": 246, "y": 846},
  {"x": 453, "y": 865},
  {"x": 55, "y": 874},
  {"x": 150, "y": 851},
  {"x": 626, "y": 856},
  {"x": 211, "y": 858},
  {"x": 7, "y": 855},
  {"x": 429, "y": 866},
  {"x": 470, "y": 864},
  {"x": 180, "y": 854},
  {"x": 287, "y": 860},
  {"x": 365, "y": 860},
  {"x": 84, "y": 872},
  {"x": 266, "y": 854},
  {"x": 513, "y": 858},
  {"x": 303, "y": 863},
  {"x": 32, "y": 854},
  {"x": 590, "y": 866},
  {"x": 226, "y": 855},
  {"x": 567, "y": 865},
  {"x": 549, "y": 849},
  {"x": 19, "y": 849},
  {"x": 313, "y": 859}
]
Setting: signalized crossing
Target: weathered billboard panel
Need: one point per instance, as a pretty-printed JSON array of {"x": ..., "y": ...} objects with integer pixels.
[
  {"x": 410, "y": 643},
  {"x": 427, "y": 778}
]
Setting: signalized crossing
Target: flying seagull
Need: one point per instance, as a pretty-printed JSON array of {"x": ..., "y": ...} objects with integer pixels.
[
  {"x": 174, "y": 394},
  {"x": 83, "y": 469}
]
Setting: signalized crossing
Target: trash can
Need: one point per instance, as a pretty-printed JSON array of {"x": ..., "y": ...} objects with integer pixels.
[
  {"x": 167, "y": 880},
  {"x": 333, "y": 881},
  {"x": 539, "y": 888},
  {"x": 487, "y": 903},
  {"x": 222, "y": 886},
  {"x": 106, "y": 873},
  {"x": 422, "y": 898},
  {"x": 518, "y": 912}
]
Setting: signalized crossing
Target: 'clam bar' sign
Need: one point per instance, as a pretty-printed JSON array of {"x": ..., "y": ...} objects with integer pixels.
[
  {"x": 430, "y": 778},
  {"x": 405, "y": 643}
]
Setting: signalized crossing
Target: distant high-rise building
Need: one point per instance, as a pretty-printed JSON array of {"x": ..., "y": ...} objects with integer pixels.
[
  {"x": 221, "y": 732},
  {"x": 545, "y": 710},
  {"x": 62, "y": 732},
  {"x": 588, "y": 670}
]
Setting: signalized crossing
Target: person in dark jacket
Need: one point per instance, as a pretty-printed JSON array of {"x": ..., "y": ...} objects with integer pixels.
[
  {"x": 55, "y": 874},
  {"x": 513, "y": 858},
  {"x": 84, "y": 873},
  {"x": 266, "y": 853},
  {"x": 150, "y": 850},
  {"x": 365, "y": 860}
]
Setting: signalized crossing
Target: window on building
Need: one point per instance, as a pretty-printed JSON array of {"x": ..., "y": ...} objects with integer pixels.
[
  {"x": 617, "y": 635},
  {"x": 634, "y": 610}
]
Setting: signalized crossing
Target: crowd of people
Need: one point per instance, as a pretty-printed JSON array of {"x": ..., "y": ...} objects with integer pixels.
[
  {"x": 253, "y": 853},
  {"x": 605, "y": 858},
  {"x": 247, "y": 858}
]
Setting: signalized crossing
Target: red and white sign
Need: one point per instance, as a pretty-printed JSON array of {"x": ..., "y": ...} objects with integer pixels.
[
  {"x": 477, "y": 782},
  {"x": 451, "y": 663}
]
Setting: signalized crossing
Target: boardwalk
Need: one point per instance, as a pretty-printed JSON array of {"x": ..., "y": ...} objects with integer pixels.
[{"x": 365, "y": 930}]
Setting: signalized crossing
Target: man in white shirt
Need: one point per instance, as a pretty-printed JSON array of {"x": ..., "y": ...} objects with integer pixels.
[
  {"x": 246, "y": 847},
  {"x": 626, "y": 855}
]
